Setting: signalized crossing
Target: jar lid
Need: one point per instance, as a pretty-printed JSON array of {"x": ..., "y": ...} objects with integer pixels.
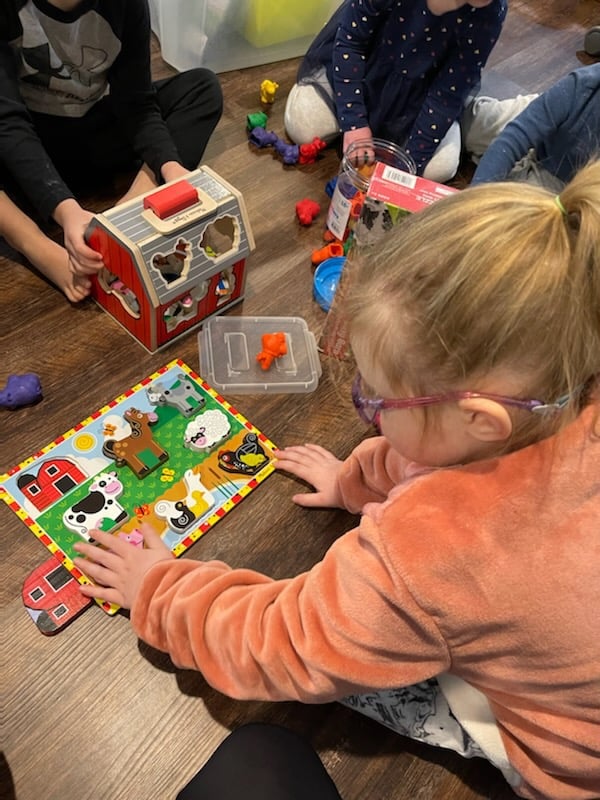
[{"x": 326, "y": 279}]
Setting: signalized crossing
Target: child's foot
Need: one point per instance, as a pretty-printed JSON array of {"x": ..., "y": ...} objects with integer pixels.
[{"x": 52, "y": 260}]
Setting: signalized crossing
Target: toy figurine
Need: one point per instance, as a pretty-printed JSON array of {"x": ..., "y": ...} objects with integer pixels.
[
  {"x": 260, "y": 137},
  {"x": 332, "y": 250},
  {"x": 309, "y": 152},
  {"x": 289, "y": 152},
  {"x": 267, "y": 91},
  {"x": 257, "y": 120},
  {"x": 21, "y": 390},
  {"x": 307, "y": 211},
  {"x": 274, "y": 346}
]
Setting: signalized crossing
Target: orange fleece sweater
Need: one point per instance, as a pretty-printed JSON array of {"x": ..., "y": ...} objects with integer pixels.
[{"x": 489, "y": 571}]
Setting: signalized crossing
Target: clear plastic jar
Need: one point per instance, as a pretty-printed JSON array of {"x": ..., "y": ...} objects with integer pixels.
[{"x": 353, "y": 181}]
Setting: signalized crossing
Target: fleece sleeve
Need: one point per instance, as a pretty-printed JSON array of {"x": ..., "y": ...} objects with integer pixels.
[
  {"x": 310, "y": 638},
  {"x": 370, "y": 473}
]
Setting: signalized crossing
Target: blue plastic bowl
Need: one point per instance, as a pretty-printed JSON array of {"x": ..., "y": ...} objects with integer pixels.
[{"x": 326, "y": 279}]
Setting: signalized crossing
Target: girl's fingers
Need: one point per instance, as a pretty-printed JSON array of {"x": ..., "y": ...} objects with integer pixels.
[{"x": 101, "y": 593}]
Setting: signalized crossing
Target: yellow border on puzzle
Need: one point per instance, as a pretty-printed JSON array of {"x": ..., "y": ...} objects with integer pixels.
[{"x": 180, "y": 548}]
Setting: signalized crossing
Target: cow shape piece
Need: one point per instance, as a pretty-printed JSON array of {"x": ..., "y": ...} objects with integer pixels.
[
  {"x": 99, "y": 509},
  {"x": 138, "y": 450}
]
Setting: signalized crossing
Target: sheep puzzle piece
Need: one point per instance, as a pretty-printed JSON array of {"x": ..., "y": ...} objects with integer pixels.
[
  {"x": 172, "y": 257},
  {"x": 202, "y": 459}
]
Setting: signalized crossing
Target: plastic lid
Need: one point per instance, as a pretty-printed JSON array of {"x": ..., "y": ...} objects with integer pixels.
[
  {"x": 228, "y": 349},
  {"x": 326, "y": 279}
]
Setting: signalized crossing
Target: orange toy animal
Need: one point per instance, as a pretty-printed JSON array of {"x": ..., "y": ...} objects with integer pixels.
[{"x": 274, "y": 346}]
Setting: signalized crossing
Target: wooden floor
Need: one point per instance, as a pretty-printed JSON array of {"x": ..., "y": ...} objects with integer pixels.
[{"x": 91, "y": 714}]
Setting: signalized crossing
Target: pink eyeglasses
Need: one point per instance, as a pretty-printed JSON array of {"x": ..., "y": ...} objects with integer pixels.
[{"x": 369, "y": 408}]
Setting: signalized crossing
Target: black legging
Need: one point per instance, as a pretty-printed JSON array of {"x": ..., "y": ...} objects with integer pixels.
[{"x": 262, "y": 762}]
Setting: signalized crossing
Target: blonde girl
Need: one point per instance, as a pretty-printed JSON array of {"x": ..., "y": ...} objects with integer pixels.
[{"x": 463, "y": 608}]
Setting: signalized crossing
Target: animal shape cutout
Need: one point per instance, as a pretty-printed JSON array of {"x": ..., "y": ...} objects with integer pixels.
[
  {"x": 139, "y": 450},
  {"x": 99, "y": 509},
  {"x": 184, "y": 397},
  {"x": 180, "y": 514},
  {"x": 206, "y": 431},
  {"x": 247, "y": 459},
  {"x": 172, "y": 265}
]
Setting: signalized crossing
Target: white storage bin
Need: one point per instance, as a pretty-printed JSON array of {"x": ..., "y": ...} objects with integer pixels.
[{"x": 232, "y": 34}]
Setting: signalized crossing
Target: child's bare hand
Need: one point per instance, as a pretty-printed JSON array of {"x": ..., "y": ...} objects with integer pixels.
[
  {"x": 74, "y": 220},
  {"x": 316, "y": 466},
  {"x": 362, "y": 156},
  {"x": 118, "y": 567}
]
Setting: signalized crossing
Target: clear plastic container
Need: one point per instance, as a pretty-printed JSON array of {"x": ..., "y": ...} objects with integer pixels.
[
  {"x": 228, "y": 348},
  {"x": 353, "y": 181},
  {"x": 232, "y": 34}
]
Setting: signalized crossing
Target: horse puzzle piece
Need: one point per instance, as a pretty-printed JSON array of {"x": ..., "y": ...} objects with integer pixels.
[
  {"x": 99, "y": 509},
  {"x": 185, "y": 397},
  {"x": 206, "y": 431},
  {"x": 180, "y": 514},
  {"x": 273, "y": 346},
  {"x": 138, "y": 450}
]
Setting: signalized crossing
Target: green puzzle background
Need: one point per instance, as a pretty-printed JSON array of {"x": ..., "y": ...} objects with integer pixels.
[{"x": 168, "y": 431}]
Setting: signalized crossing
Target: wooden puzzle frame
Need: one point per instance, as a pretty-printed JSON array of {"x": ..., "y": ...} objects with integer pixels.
[{"x": 74, "y": 481}]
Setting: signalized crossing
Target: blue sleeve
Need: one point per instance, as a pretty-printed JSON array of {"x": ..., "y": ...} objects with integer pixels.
[
  {"x": 459, "y": 74},
  {"x": 350, "y": 51},
  {"x": 534, "y": 126}
]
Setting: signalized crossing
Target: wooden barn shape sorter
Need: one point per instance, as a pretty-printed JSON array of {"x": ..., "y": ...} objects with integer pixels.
[
  {"x": 173, "y": 257},
  {"x": 170, "y": 451}
]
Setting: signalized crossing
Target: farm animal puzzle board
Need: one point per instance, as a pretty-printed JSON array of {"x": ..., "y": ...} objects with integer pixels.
[{"x": 170, "y": 451}]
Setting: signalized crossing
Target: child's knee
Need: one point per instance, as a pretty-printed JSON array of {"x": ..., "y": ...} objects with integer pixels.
[
  {"x": 444, "y": 163},
  {"x": 307, "y": 115}
]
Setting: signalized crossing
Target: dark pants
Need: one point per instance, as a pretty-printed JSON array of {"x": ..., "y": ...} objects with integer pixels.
[
  {"x": 91, "y": 150},
  {"x": 262, "y": 762}
]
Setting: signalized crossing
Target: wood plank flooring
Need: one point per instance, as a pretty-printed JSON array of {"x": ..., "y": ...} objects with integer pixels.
[{"x": 92, "y": 714}]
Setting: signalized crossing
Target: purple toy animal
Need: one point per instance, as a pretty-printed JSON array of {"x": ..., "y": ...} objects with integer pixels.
[
  {"x": 21, "y": 390},
  {"x": 262, "y": 138}
]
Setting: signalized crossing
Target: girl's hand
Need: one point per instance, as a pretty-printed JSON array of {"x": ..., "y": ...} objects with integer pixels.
[
  {"x": 316, "y": 466},
  {"x": 74, "y": 220},
  {"x": 118, "y": 567},
  {"x": 364, "y": 155}
]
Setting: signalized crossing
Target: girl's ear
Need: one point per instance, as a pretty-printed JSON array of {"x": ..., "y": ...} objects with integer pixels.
[{"x": 486, "y": 420}]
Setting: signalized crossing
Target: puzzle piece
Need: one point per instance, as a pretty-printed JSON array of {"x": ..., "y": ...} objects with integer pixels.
[{"x": 206, "y": 431}]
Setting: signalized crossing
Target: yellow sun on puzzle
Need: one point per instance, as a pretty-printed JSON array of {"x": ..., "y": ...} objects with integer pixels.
[{"x": 84, "y": 442}]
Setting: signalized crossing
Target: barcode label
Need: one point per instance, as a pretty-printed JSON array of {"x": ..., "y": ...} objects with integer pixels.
[{"x": 397, "y": 176}]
